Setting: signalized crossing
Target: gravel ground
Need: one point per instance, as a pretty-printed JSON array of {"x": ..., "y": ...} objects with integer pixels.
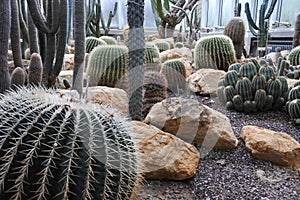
[{"x": 234, "y": 174}]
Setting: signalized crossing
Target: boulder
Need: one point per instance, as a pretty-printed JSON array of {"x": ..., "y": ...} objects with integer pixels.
[
  {"x": 163, "y": 155},
  {"x": 205, "y": 81},
  {"x": 276, "y": 147},
  {"x": 183, "y": 52},
  {"x": 193, "y": 122}
]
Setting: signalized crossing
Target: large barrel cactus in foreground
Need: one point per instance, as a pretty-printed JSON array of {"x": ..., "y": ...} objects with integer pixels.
[{"x": 52, "y": 147}]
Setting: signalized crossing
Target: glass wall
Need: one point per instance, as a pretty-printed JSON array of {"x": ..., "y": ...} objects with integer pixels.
[{"x": 289, "y": 11}]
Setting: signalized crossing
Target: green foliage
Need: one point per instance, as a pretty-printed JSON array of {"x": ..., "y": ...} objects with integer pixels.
[
  {"x": 107, "y": 65},
  {"x": 215, "y": 52},
  {"x": 55, "y": 148},
  {"x": 91, "y": 42}
]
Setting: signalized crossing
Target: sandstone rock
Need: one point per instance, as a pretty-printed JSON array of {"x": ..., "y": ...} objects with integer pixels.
[
  {"x": 193, "y": 122},
  {"x": 276, "y": 147},
  {"x": 163, "y": 155},
  {"x": 68, "y": 62},
  {"x": 205, "y": 81},
  {"x": 113, "y": 97},
  {"x": 183, "y": 52},
  {"x": 291, "y": 82}
]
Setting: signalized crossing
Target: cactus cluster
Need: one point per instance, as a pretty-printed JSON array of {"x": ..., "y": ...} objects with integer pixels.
[
  {"x": 155, "y": 87},
  {"x": 55, "y": 148},
  {"x": 235, "y": 29},
  {"x": 286, "y": 69},
  {"x": 245, "y": 89},
  {"x": 215, "y": 52},
  {"x": 293, "y": 103},
  {"x": 91, "y": 42},
  {"x": 107, "y": 65}
]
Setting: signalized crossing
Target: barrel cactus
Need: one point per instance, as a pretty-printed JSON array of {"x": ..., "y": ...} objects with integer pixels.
[
  {"x": 162, "y": 45},
  {"x": 18, "y": 77},
  {"x": 91, "y": 42},
  {"x": 215, "y": 52},
  {"x": 294, "y": 56},
  {"x": 109, "y": 40},
  {"x": 151, "y": 54},
  {"x": 235, "y": 29},
  {"x": 55, "y": 148},
  {"x": 293, "y": 103},
  {"x": 107, "y": 65}
]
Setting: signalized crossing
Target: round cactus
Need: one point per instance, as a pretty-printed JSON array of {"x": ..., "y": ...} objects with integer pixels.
[
  {"x": 35, "y": 71},
  {"x": 294, "y": 109},
  {"x": 260, "y": 98},
  {"x": 162, "y": 45},
  {"x": 151, "y": 53},
  {"x": 215, "y": 52},
  {"x": 238, "y": 102},
  {"x": 91, "y": 42},
  {"x": 229, "y": 92},
  {"x": 258, "y": 82},
  {"x": 248, "y": 70},
  {"x": 18, "y": 77},
  {"x": 179, "y": 45},
  {"x": 243, "y": 88},
  {"x": 255, "y": 62},
  {"x": 107, "y": 65},
  {"x": 273, "y": 87},
  {"x": 109, "y": 40},
  {"x": 267, "y": 71},
  {"x": 294, "y": 56},
  {"x": 294, "y": 93},
  {"x": 235, "y": 66},
  {"x": 55, "y": 148},
  {"x": 231, "y": 77}
]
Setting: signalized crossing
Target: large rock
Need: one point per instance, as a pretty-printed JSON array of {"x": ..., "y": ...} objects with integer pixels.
[
  {"x": 276, "y": 147},
  {"x": 193, "y": 122},
  {"x": 113, "y": 97},
  {"x": 163, "y": 155},
  {"x": 205, "y": 81},
  {"x": 173, "y": 53}
]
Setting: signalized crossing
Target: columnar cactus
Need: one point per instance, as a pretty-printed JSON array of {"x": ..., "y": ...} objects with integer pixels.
[
  {"x": 294, "y": 56},
  {"x": 175, "y": 73},
  {"x": 107, "y": 65},
  {"x": 18, "y": 77},
  {"x": 215, "y": 52},
  {"x": 235, "y": 29},
  {"x": 155, "y": 90},
  {"x": 109, "y": 40},
  {"x": 55, "y": 148},
  {"x": 91, "y": 42},
  {"x": 35, "y": 70}
]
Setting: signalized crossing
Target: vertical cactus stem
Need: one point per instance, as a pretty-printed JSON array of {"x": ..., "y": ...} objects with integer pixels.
[
  {"x": 18, "y": 77},
  {"x": 35, "y": 70},
  {"x": 37, "y": 16},
  {"x": 33, "y": 35},
  {"x": 136, "y": 42},
  {"x": 15, "y": 34},
  {"x": 5, "y": 32},
  {"x": 79, "y": 37}
]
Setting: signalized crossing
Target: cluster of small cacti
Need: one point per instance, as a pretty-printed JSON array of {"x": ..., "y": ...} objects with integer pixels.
[
  {"x": 55, "y": 148},
  {"x": 286, "y": 69},
  {"x": 293, "y": 103},
  {"x": 155, "y": 87},
  {"x": 245, "y": 89},
  {"x": 216, "y": 52},
  {"x": 175, "y": 72},
  {"x": 91, "y": 42},
  {"x": 235, "y": 29},
  {"x": 109, "y": 40},
  {"x": 162, "y": 45},
  {"x": 107, "y": 64}
]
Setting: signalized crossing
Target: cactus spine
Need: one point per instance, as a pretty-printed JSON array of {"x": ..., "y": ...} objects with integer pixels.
[
  {"x": 235, "y": 29},
  {"x": 64, "y": 149},
  {"x": 91, "y": 42},
  {"x": 107, "y": 65},
  {"x": 215, "y": 52}
]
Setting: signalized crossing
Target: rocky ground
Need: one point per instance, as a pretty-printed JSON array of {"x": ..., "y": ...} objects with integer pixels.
[{"x": 234, "y": 174}]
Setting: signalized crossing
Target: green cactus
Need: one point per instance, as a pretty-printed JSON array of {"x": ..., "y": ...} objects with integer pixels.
[
  {"x": 215, "y": 52},
  {"x": 235, "y": 29},
  {"x": 294, "y": 93},
  {"x": 260, "y": 98},
  {"x": 107, "y": 65},
  {"x": 231, "y": 77},
  {"x": 235, "y": 66},
  {"x": 255, "y": 62},
  {"x": 151, "y": 53},
  {"x": 229, "y": 92},
  {"x": 55, "y": 148},
  {"x": 35, "y": 70},
  {"x": 243, "y": 88},
  {"x": 155, "y": 90},
  {"x": 284, "y": 85},
  {"x": 258, "y": 82},
  {"x": 18, "y": 77},
  {"x": 179, "y": 45},
  {"x": 238, "y": 102},
  {"x": 109, "y": 40},
  {"x": 91, "y": 42},
  {"x": 267, "y": 71},
  {"x": 174, "y": 70},
  {"x": 221, "y": 95},
  {"x": 294, "y": 56},
  {"x": 162, "y": 45},
  {"x": 283, "y": 67},
  {"x": 273, "y": 87},
  {"x": 294, "y": 109},
  {"x": 248, "y": 70}
]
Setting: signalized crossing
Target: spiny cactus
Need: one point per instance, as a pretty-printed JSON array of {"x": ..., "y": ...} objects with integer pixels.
[
  {"x": 107, "y": 65},
  {"x": 248, "y": 70},
  {"x": 235, "y": 66},
  {"x": 174, "y": 70},
  {"x": 294, "y": 56},
  {"x": 55, "y": 148},
  {"x": 151, "y": 53},
  {"x": 91, "y": 42},
  {"x": 18, "y": 77},
  {"x": 235, "y": 29},
  {"x": 179, "y": 45},
  {"x": 243, "y": 88},
  {"x": 162, "y": 45},
  {"x": 230, "y": 78},
  {"x": 109, "y": 40},
  {"x": 267, "y": 71},
  {"x": 35, "y": 70},
  {"x": 293, "y": 103},
  {"x": 155, "y": 90},
  {"x": 215, "y": 52}
]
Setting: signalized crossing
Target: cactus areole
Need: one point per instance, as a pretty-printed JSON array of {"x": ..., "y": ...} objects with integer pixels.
[{"x": 52, "y": 147}]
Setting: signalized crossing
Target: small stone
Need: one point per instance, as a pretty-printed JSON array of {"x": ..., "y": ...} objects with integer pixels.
[{"x": 176, "y": 191}]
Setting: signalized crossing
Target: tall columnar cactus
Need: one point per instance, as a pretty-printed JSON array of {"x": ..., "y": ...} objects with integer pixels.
[
  {"x": 175, "y": 72},
  {"x": 155, "y": 90},
  {"x": 107, "y": 65},
  {"x": 35, "y": 71},
  {"x": 91, "y": 42},
  {"x": 4, "y": 37},
  {"x": 215, "y": 52},
  {"x": 55, "y": 148},
  {"x": 235, "y": 29},
  {"x": 262, "y": 29},
  {"x": 109, "y": 40},
  {"x": 296, "y": 37},
  {"x": 18, "y": 77},
  {"x": 136, "y": 43},
  {"x": 294, "y": 56}
]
